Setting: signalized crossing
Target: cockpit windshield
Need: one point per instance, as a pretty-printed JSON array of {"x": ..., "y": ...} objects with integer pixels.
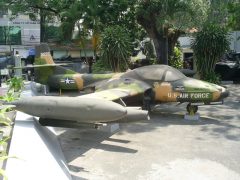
[
  {"x": 159, "y": 73},
  {"x": 173, "y": 75}
]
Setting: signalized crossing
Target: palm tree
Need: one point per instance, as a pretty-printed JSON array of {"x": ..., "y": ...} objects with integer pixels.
[
  {"x": 91, "y": 20},
  {"x": 69, "y": 19}
]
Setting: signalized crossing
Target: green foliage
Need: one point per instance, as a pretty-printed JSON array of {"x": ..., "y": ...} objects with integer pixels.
[
  {"x": 10, "y": 96},
  {"x": 53, "y": 33},
  {"x": 176, "y": 60},
  {"x": 234, "y": 15},
  {"x": 153, "y": 61},
  {"x": 209, "y": 45},
  {"x": 116, "y": 47},
  {"x": 15, "y": 84},
  {"x": 4, "y": 120},
  {"x": 217, "y": 12},
  {"x": 212, "y": 77},
  {"x": 169, "y": 19},
  {"x": 69, "y": 18},
  {"x": 101, "y": 66},
  {"x": 44, "y": 10}
]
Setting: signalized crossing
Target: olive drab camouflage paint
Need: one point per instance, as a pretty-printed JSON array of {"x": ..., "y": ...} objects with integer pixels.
[
  {"x": 190, "y": 90},
  {"x": 165, "y": 84},
  {"x": 57, "y": 77},
  {"x": 111, "y": 93}
]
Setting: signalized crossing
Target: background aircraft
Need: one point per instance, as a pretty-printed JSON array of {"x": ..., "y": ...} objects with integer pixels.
[{"x": 144, "y": 86}]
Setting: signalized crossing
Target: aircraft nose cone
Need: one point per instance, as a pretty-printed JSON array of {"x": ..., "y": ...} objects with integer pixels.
[{"x": 225, "y": 93}]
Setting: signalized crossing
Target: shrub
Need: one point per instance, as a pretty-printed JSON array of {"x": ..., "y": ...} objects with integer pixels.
[
  {"x": 176, "y": 60},
  {"x": 101, "y": 66},
  {"x": 116, "y": 47},
  {"x": 212, "y": 77},
  {"x": 209, "y": 45}
]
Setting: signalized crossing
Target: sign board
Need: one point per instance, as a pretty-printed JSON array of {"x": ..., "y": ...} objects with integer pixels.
[
  {"x": 23, "y": 53},
  {"x": 4, "y": 72},
  {"x": 30, "y": 36}
]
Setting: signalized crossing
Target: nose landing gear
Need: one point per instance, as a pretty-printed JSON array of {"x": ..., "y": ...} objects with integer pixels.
[
  {"x": 148, "y": 97},
  {"x": 192, "y": 109}
]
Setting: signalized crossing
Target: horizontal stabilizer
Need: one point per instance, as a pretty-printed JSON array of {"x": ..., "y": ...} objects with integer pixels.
[{"x": 40, "y": 66}]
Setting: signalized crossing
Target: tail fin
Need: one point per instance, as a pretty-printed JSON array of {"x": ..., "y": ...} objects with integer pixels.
[
  {"x": 43, "y": 55},
  {"x": 45, "y": 74}
]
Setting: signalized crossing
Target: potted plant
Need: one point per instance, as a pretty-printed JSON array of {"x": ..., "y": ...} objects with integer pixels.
[
  {"x": 7, "y": 117},
  {"x": 15, "y": 84},
  {"x": 7, "y": 112}
]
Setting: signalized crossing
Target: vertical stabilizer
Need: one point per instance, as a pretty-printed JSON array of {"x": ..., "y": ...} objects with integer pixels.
[
  {"x": 50, "y": 72},
  {"x": 43, "y": 55}
]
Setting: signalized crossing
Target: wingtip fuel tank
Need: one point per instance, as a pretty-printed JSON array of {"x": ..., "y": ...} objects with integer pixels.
[
  {"x": 79, "y": 109},
  {"x": 71, "y": 108}
]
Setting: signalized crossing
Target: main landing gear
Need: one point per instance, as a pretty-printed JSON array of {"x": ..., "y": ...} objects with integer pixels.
[{"x": 192, "y": 109}]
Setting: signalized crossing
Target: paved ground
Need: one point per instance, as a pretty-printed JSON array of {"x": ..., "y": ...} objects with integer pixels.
[{"x": 166, "y": 147}]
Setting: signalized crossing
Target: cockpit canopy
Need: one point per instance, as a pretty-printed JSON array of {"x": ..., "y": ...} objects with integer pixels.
[{"x": 156, "y": 73}]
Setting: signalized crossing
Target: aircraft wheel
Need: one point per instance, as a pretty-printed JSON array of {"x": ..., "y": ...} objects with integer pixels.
[
  {"x": 147, "y": 100},
  {"x": 192, "y": 109}
]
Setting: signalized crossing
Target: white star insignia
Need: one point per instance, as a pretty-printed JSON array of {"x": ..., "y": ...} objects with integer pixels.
[{"x": 67, "y": 81}]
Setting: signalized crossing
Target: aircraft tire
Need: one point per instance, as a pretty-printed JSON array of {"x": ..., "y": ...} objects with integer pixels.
[{"x": 192, "y": 108}]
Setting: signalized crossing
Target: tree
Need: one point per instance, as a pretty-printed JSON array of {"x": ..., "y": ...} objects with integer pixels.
[
  {"x": 91, "y": 20},
  {"x": 97, "y": 15},
  {"x": 150, "y": 14},
  {"x": 234, "y": 15},
  {"x": 46, "y": 9},
  {"x": 69, "y": 19},
  {"x": 160, "y": 19}
]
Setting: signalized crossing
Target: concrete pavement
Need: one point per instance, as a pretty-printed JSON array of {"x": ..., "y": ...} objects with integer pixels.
[{"x": 166, "y": 147}]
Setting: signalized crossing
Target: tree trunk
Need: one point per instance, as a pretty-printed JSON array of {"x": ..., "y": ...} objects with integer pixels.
[
  {"x": 172, "y": 40},
  {"x": 42, "y": 26},
  {"x": 160, "y": 40},
  {"x": 171, "y": 46},
  {"x": 161, "y": 48}
]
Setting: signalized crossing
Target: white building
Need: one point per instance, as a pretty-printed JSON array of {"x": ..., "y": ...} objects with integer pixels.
[{"x": 19, "y": 34}]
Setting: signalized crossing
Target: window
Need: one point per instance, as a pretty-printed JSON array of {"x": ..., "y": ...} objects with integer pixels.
[
  {"x": 3, "y": 12},
  {"x": 10, "y": 35}
]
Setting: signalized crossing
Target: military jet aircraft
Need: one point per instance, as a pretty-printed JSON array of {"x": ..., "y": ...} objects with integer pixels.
[{"x": 144, "y": 86}]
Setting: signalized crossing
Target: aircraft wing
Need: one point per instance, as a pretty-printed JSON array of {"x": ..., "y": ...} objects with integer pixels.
[
  {"x": 120, "y": 88},
  {"x": 113, "y": 94}
]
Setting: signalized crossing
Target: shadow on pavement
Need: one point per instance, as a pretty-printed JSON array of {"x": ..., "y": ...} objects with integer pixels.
[
  {"x": 221, "y": 121},
  {"x": 83, "y": 140}
]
